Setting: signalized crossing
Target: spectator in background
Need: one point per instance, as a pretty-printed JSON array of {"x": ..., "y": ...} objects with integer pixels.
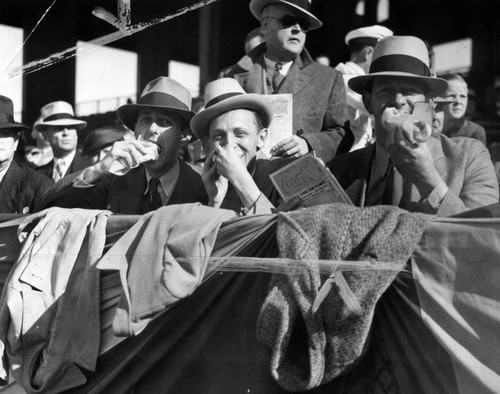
[
  {"x": 282, "y": 65},
  {"x": 361, "y": 43},
  {"x": 100, "y": 141},
  {"x": 455, "y": 123},
  {"x": 253, "y": 39},
  {"x": 440, "y": 175},
  {"x": 322, "y": 59},
  {"x": 60, "y": 128},
  {"x": 20, "y": 186},
  {"x": 472, "y": 111}
]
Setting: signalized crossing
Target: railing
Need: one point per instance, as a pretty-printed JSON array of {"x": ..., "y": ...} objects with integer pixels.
[{"x": 102, "y": 105}]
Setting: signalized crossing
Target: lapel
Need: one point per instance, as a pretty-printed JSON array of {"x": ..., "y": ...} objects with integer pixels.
[
  {"x": 78, "y": 163},
  {"x": 9, "y": 192},
  {"x": 188, "y": 188},
  {"x": 252, "y": 80},
  {"x": 297, "y": 78},
  {"x": 353, "y": 171},
  {"x": 129, "y": 191}
]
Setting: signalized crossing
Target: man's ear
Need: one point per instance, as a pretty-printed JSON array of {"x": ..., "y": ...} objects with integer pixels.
[
  {"x": 186, "y": 135},
  {"x": 367, "y": 52},
  {"x": 262, "y": 138},
  {"x": 367, "y": 101}
]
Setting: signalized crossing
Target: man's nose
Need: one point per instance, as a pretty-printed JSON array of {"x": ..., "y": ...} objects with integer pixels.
[
  {"x": 154, "y": 128},
  {"x": 399, "y": 100},
  {"x": 230, "y": 139}
]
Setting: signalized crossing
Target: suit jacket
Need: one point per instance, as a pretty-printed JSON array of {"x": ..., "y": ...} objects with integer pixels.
[
  {"x": 21, "y": 187},
  {"x": 464, "y": 165},
  {"x": 124, "y": 194},
  {"x": 319, "y": 100},
  {"x": 78, "y": 163}
]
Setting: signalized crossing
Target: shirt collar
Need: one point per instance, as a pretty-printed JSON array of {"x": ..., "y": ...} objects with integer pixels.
[
  {"x": 167, "y": 180},
  {"x": 67, "y": 159},
  {"x": 271, "y": 64}
]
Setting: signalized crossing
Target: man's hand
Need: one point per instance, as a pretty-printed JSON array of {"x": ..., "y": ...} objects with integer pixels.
[
  {"x": 293, "y": 146},
  {"x": 231, "y": 164},
  {"x": 215, "y": 184},
  {"x": 414, "y": 161},
  {"x": 128, "y": 153}
]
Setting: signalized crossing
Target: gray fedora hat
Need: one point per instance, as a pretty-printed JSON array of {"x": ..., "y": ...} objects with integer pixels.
[{"x": 161, "y": 93}]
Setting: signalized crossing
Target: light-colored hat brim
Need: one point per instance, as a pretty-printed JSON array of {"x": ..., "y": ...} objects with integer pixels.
[
  {"x": 250, "y": 101},
  {"x": 74, "y": 123},
  {"x": 257, "y": 6},
  {"x": 128, "y": 113},
  {"x": 435, "y": 85}
]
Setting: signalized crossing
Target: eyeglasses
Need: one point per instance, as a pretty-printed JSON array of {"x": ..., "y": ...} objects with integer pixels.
[{"x": 287, "y": 21}]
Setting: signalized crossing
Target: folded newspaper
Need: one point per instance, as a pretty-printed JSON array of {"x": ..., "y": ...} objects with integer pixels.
[{"x": 307, "y": 182}]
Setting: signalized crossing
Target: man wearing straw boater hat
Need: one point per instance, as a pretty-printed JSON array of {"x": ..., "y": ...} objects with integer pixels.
[
  {"x": 436, "y": 175},
  {"x": 234, "y": 126},
  {"x": 20, "y": 186},
  {"x": 141, "y": 175},
  {"x": 60, "y": 127},
  {"x": 282, "y": 65}
]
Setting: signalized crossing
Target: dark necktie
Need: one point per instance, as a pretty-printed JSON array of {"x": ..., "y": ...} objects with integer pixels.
[
  {"x": 277, "y": 77},
  {"x": 154, "y": 195},
  {"x": 380, "y": 191}
]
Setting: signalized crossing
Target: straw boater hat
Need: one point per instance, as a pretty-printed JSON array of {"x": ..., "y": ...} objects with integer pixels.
[
  {"x": 400, "y": 56},
  {"x": 226, "y": 94},
  {"x": 7, "y": 115},
  {"x": 303, "y": 6},
  {"x": 368, "y": 35},
  {"x": 161, "y": 93},
  {"x": 59, "y": 113}
]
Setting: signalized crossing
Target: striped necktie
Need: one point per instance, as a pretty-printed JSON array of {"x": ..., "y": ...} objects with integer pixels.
[{"x": 58, "y": 171}]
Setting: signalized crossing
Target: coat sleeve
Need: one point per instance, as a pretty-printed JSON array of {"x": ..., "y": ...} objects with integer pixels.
[
  {"x": 65, "y": 195},
  {"x": 480, "y": 185},
  {"x": 335, "y": 136}
]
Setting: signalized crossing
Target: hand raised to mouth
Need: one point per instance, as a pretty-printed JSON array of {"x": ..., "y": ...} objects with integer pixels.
[{"x": 145, "y": 151}]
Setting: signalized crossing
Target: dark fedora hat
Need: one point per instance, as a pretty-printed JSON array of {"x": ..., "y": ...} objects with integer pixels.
[
  {"x": 400, "y": 56},
  {"x": 161, "y": 93},
  {"x": 7, "y": 115},
  {"x": 101, "y": 138}
]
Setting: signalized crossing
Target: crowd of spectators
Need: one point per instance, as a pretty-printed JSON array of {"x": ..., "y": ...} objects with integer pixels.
[{"x": 350, "y": 116}]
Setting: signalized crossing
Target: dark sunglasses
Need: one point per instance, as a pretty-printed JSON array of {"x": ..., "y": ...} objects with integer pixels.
[{"x": 287, "y": 21}]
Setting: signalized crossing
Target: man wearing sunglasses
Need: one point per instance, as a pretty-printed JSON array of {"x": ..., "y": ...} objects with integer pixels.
[{"x": 282, "y": 65}]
